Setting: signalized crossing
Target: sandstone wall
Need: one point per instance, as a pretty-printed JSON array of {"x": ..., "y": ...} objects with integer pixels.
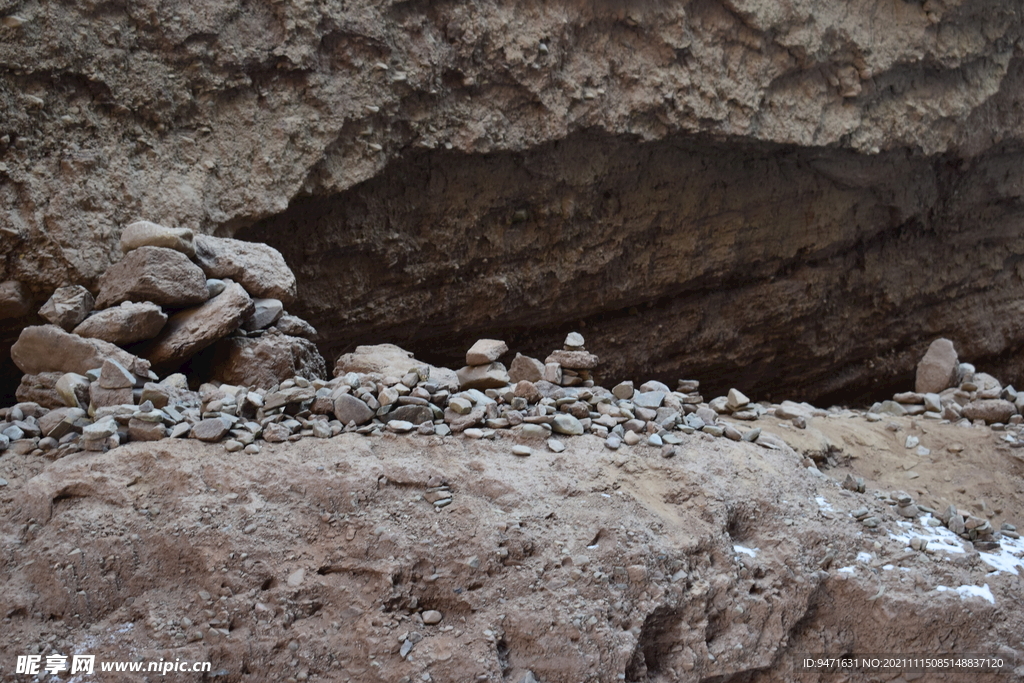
[{"x": 773, "y": 184}]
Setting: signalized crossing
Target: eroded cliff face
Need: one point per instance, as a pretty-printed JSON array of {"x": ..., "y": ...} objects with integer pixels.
[{"x": 799, "y": 195}]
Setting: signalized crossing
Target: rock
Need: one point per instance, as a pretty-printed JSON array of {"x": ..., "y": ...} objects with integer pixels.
[
  {"x": 163, "y": 276},
  {"x": 113, "y": 375},
  {"x": 388, "y": 360},
  {"x": 210, "y": 430},
  {"x": 490, "y": 376},
  {"x": 613, "y": 442},
  {"x": 412, "y": 414},
  {"x": 732, "y": 433},
  {"x": 267, "y": 360},
  {"x": 99, "y": 430},
  {"x": 736, "y": 401},
  {"x": 649, "y": 399},
  {"x": 521, "y": 450},
  {"x": 321, "y": 429},
  {"x": 573, "y": 341},
  {"x": 295, "y": 326},
  {"x": 192, "y": 330},
  {"x": 990, "y": 410},
  {"x": 555, "y": 446},
  {"x": 892, "y": 408},
  {"x": 431, "y": 617},
  {"x": 40, "y": 389},
  {"x": 574, "y": 360},
  {"x": 15, "y": 299},
  {"x": 348, "y": 408},
  {"x": 563, "y": 423},
  {"x": 68, "y": 306},
  {"x": 143, "y": 430},
  {"x": 527, "y": 369},
  {"x": 48, "y": 348},
  {"x": 125, "y": 324},
  {"x": 265, "y": 313},
  {"x": 73, "y": 389},
  {"x": 399, "y": 426},
  {"x": 258, "y": 267},
  {"x": 528, "y": 390},
  {"x": 275, "y": 432},
  {"x": 486, "y": 351},
  {"x": 937, "y": 369},
  {"x": 215, "y": 286},
  {"x": 623, "y": 390},
  {"x": 233, "y": 446},
  {"x": 146, "y": 234},
  {"x": 553, "y": 373},
  {"x": 101, "y": 397}
]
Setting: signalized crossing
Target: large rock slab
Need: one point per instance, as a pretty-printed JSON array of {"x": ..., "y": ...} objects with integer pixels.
[
  {"x": 937, "y": 369},
  {"x": 147, "y": 234},
  {"x": 258, "y": 267},
  {"x": 48, "y": 348},
  {"x": 68, "y": 306},
  {"x": 125, "y": 324},
  {"x": 267, "y": 360},
  {"x": 490, "y": 376},
  {"x": 990, "y": 410},
  {"x": 192, "y": 330},
  {"x": 388, "y": 360},
  {"x": 163, "y": 276}
]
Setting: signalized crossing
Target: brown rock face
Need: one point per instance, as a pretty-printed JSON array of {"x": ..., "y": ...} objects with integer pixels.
[
  {"x": 267, "y": 361},
  {"x": 192, "y": 330},
  {"x": 15, "y": 299},
  {"x": 163, "y": 276},
  {"x": 937, "y": 370}
]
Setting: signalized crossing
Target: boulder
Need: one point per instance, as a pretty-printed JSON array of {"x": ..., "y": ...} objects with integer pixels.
[
  {"x": 15, "y": 299},
  {"x": 413, "y": 414},
  {"x": 348, "y": 408},
  {"x": 388, "y": 360},
  {"x": 937, "y": 369},
  {"x": 101, "y": 397},
  {"x": 264, "y": 314},
  {"x": 146, "y": 234},
  {"x": 125, "y": 324},
  {"x": 68, "y": 306},
  {"x": 156, "y": 274},
  {"x": 192, "y": 330},
  {"x": 574, "y": 360},
  {"x": 294, "y": 326},
  {"x": 210, "y": 430},
  {"x": 40, "y": 389},
  {"x": 48, "y": 348},
  {"x": 267, "y": 360},
  {"x": 60, "y": 421},
  {"x": 73, "y": 389},
  {"x": 525, "y": 368},
  {"x": 489, "y": 376},
  {"x": 258, "y": 267},
  {"x": 113, "y": 375},
  {"x": 990, "y": 410},
  {"x": 486, "y": 351}
]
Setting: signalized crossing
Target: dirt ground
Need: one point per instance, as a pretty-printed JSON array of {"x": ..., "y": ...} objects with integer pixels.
[{"x": 316, "y": 560}]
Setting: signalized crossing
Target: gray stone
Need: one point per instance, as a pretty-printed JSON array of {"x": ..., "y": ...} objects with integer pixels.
[
  {"x": 521, "y": 450},
  {"x": 486, "y": 351},
  {"x": 321, "y": 429},
  {"x": 100, "y": 397},
  {"x": 938, "y": 368},
  {"x": 144, "y": 430},
  {"x": 265, "y": 313},
  {"x": 99, "y": 430},
  {"x": 431, "y": 617},
  {"x": 233, "y": 446},
  {"x": 573, "y": 341},
  {"x": 113, "y": 375},
  {"x": 553, "y": 373},
  {"x": 563, "y": 423},
  {"x": 147, "y": 234},
  {"x": 348, "y": 408},
  {"x": 623, "y": 390},
  {"x": 162, "y": 276},
  {"x": 989, "y": 410},
  {"x": 15, "y": 300},
  {"x": 556, "y": 446},
  {"x": 399, "y": 426},
  {"x": 736, "y": 401},
  {"x": 295, "y": 326},
  {"x": 275, "y": 432},
  {"x": 125, "y": 324},
  {"x": 258, "y": 267},
  {"x": 490, "y": 376},
  {"x": 215, "y": 286},
  {"x": 414, "y": 414},
  {"x": 68, "y": 306},
  {"x": 649, "y": 399},
  {"x": 524, "y": 368},
  {"x": 210, "y": 430}
]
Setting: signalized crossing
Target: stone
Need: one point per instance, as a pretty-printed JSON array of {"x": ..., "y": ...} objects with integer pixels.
[
  {"x": 101, "y": 397},
  {"x": 265, "y": 313},
  {"x": 388, "y": 360},
  {"x": 573, "y": 360},
  {"x": 486, "y": 351},
  {"x": 99, "y": 430},
  {"x": 528, "y": 390},
  {"x": 189, "y": 331},
  {"x": 15, "y": 299},
  {"x": 68, "y": 306},
  {"x": 553, "y": 373},
  {"x": 162, "y": 276},
  {"x": 573, "y": 341},
  {"x": 937, "y": 370},
  {"x": 525, "y": 368},
  {"x": 623, "y": 390},
  {"x": 215, "y": 286},
  {"x": 48, "y": 348},
  {"x": 732, "y": 433},
  {"x": 399, "y": 426},
  {"x": 736, "y": 401},
  {"x": 295, "y": 326},
  {"x": 210, "y": 430},
  {"x": 413, "y": 414},
  {"x": 348, "y": 408},
  {"x": 321, "y": 429},
  {"x": 555, "y": 446},
  {"x": 233, "y": 446},
  {"x": 990, "y": 410},
  {"x": 147, "y": 234},
  {"x": 522, "y": 450},
  {"x": 113, "y": 375},
  {"x": 60, "y": 421},
  {"x": 490, "y": 376},
  {"x": 563, "y": 423},
  {"x": 258, "y": 267},
  {"x": 40, "y": 389},
  {"x": 613, "y": 442},
  {"x": 431, "y": 617},
  {"x": 125, "y": 324},
  {"x": 144, "y": 430},
  {"x": 649, "y": 399},
  {"x": 267, "y": 360},
  {"x": 275, "y": 432},
  {"x": 73, "y": 389}
]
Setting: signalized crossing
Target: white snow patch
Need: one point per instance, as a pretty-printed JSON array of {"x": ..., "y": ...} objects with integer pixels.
[
  {"x": 823, "y": 504},
  {"x": 864, "y": 558},
  {"x": 938, "y": 537},
  {"x": 847, "y": 570},
  {"x": 889, "y": 567},
  {"x": 971, "y": 592},
  {"x": 1008, "y": 558},
  {"x": 746, "y": 551}
]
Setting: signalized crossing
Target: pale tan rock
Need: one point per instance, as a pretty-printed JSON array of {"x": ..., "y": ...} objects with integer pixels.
[
  {"x": 937, "y": 369},
  {"x": 73, "y": 389},
  {"x": 490, "y": 376},
  {"x": 573, "y": 360},
  {"x": 40, "y": 389},
  {"x": 48, "y": 348},
  {"x": 486, "y": 351},
  {"x": 267, "y": 360},
  {"x": 990, "y": 410},
  {"x": 258, "y": 267},
  {"x": 163, "y": 276},
  {"x": 101, "y": 397},
  {"x": 113, "y": 375},
  {"x": 192, "y": 330},
  {"x": 525, "y": 368},
  {"x": 68, "y": 306},
  {"x": 15, "y": 299},
  {"x": 125, "y": 324},
  {"x": 147, "y": 234},
  {"x": 388, "y": 360}
]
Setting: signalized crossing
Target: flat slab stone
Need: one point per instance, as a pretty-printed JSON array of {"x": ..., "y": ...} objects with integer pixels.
[
  {"x": 258, "y": 267},
  {"x": 147, "y": 234},
  {"x": 162, "y": 276},
  {"x": 48, "y": 348},
  {"x": 486, "y": 351},
  {"x": 125, "y": 324}
]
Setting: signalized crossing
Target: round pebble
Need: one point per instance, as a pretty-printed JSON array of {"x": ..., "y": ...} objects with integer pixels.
[
  {"x": 474, "y": 433},
  {"x": 252, "y": 449},
  {"x": 654, "y": 440},
  {"x": 232, "y": 446},
  {"x": 556, "y": 446},
  {"x": 613, "y": 442},
  {"x": 432, "y": 616},
  {"x": 631, "y": 438},
  {"x": 521, "y": 450}
]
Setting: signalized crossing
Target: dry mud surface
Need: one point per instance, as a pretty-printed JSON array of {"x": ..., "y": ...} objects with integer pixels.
[{"x": 315, "y": 560}]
